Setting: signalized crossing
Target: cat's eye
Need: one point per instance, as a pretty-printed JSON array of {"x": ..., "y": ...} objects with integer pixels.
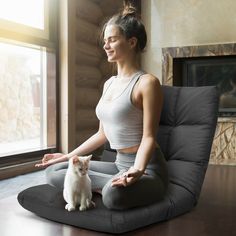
[{"x": 80, "y": 169}]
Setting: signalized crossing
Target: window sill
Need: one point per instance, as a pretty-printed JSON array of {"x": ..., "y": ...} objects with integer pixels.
[{"x": 19, "y": 169}]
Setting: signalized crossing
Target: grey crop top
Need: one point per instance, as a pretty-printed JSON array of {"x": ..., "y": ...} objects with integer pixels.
[{"x": 122, "y": 121}]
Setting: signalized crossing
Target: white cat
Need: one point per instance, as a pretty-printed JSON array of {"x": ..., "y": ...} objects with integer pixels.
[{"x": 77, "y": 184}]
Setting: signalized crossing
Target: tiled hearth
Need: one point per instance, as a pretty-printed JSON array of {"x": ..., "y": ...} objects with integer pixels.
[{"x": 224, "y": 145}]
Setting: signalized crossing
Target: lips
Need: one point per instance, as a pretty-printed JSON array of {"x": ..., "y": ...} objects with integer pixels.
[{"x": 109, "y": 53}]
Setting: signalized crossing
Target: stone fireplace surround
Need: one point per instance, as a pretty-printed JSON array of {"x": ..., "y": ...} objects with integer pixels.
[{"x": 224, "y": 144}]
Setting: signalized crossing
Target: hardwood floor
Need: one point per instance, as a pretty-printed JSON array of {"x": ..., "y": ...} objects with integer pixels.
[
  {"x": 12, "y": 186},
  {"x": 214, "y": 215}
]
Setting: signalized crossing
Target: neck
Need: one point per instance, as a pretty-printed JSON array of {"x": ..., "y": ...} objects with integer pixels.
[{"x": 127, "y": 68}]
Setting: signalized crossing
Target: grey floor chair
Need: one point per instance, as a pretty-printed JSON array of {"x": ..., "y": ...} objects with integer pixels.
[{"x": 186, "y": 132}]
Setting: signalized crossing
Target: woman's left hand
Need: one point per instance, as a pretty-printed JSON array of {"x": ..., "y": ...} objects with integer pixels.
[{"x": 127, "y": 178}]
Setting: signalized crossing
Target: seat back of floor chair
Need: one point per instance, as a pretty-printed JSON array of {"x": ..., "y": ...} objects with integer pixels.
[{"x": 186, "y": 132}]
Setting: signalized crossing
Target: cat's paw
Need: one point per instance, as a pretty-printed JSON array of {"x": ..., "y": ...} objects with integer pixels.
[
  {"x": 69, "y": 207},
  {"x": 82, "y": 208}
]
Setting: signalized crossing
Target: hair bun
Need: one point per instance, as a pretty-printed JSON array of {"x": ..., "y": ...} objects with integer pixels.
[{"x": 129, "y": 9}]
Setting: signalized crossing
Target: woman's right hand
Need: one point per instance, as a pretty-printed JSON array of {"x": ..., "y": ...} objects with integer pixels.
[{"x": 51, "y": 158}]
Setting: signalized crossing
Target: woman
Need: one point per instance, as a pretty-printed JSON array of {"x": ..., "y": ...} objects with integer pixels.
[{"x": 129, "y": 112}]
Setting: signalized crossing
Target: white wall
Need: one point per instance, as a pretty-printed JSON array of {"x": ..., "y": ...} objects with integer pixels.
[
  {"x": 172, "y": 23},
  {"x": 151, "y": 57}
]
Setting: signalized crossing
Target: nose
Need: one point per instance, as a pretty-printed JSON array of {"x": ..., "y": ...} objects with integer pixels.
[{"x": 106, "y": 46}]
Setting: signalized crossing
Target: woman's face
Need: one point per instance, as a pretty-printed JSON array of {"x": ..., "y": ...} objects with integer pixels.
[{"x": 116, "y": 46}]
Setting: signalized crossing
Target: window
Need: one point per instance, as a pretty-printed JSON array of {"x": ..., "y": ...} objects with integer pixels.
[
  {"x": 24, "y": 12},
  {"x": 28, "y": 45}
]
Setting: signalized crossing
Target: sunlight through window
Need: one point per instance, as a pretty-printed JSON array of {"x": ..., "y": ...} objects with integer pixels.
[
  {"x": 26, "y": 12},
  {"x": 21, "y": 105},
  {"x": 28, "y": 105}
]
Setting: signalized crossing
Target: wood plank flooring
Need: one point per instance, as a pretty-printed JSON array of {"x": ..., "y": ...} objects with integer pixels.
[
  {"x": 12, "y": 186},
  {"x": 214, "y": 215}
]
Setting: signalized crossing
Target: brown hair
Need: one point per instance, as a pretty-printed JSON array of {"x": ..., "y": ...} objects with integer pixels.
[{"x": 130, "y": 25}]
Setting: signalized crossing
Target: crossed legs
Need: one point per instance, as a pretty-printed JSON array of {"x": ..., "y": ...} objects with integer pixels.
[{"x": 148, "y": 189}]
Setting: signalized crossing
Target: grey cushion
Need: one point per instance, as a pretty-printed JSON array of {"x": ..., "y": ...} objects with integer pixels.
[{"x": 186, "y": 132}]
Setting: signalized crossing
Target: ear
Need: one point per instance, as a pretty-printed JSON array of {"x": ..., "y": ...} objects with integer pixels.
[
  {"x": 133, "y": 42},
  {"x": 75, "y": 160},
  {"x": 89, "y": 157}
]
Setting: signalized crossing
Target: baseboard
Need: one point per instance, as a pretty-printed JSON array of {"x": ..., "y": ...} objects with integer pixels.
[{"x": 19, "y": 169}]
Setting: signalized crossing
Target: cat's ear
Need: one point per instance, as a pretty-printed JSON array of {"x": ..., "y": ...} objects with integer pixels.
[
  {"x": 75, "y": 159},
  {"x": 89, "y": 157}
]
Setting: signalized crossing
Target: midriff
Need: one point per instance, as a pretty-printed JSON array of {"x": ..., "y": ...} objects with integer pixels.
[{"x": 133, "y": 149}]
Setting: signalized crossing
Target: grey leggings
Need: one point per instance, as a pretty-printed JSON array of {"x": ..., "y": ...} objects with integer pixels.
[{"x": 148, "y": 189}]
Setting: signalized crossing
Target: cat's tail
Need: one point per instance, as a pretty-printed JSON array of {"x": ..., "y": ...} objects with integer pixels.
[{"x": 90, "y": 203}]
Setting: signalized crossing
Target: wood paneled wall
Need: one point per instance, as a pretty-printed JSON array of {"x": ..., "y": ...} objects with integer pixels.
[{"x": 83, "y": 67}]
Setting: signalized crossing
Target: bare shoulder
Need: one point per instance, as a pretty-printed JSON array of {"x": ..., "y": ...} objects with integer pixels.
[{"x": 149, "y": 82}]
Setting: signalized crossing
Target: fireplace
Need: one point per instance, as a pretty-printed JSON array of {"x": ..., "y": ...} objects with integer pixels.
[
  {"x": 197, "y": 59},
  {"x": 217, "y": 71}
]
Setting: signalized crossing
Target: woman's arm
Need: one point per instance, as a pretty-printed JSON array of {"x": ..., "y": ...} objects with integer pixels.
[
  {"x": 88, "y": 146},
  {"x": 152, "y": 101},
  {"x": 91, "y": 144},
  {"x": 94, "y": 141}
]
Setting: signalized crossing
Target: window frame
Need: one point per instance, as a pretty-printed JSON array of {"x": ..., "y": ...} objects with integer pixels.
[{"x": 48, "y": 39}]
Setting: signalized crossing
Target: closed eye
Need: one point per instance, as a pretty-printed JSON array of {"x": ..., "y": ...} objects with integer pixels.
[{"x": 111, "y": 39}]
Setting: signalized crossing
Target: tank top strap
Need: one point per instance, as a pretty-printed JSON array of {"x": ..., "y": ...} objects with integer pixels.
[
  {"x": 107, "y": 85},
  {"x": 134, "y": 81}
]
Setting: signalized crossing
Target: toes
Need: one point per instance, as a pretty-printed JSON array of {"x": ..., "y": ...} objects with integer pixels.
[
  {"x": 69, "y": 207},
  {"x": 82, "y": 208}
]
